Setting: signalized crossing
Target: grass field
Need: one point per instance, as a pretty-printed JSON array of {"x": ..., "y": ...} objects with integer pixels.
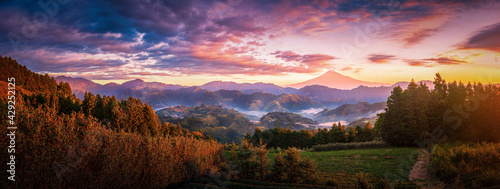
[{"x": 395, "y": 163}]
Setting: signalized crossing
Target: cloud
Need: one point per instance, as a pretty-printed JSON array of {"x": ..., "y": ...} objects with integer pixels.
[
  {"x": 47, "y": 61},
  {"x": 417, "y": 63},
  {"x": 214, "y": 37},
  {"x": 419, "y": 35},
  {"x": 446, "y": 61},
  {"x": 288, "y": 56},
  {"x": 230, "y": 61},
  {"x": 346, "y": 68},
  {"x": 414, "y": 21},
  {"x": 430, "y": 62},
  {"x": 380, "y": 58},
  {"x": 308, "y": 59},
  {"x": 488, "y": 38}
]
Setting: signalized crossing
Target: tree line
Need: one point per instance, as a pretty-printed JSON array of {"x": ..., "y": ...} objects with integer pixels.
[
  {"x": 285, "y": 138},
  {"x": 453, "y": 111}
]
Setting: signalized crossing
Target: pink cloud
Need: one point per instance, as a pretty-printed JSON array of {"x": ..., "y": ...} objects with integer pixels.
[
  {"x": 430, "y": 62},
  {"x": 380, "y": 58},
  {"x": 411, "y": 25}
]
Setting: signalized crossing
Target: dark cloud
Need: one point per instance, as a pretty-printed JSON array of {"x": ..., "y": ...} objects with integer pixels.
[
  {"x": 487, "y": 38},
  {"x": 192, "y": 36},
  {"x": 43, "y": 61}
]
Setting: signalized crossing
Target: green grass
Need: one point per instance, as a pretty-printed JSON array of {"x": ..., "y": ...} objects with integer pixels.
[
  {"x": 394, "y": 162},
  {"x": 350, "y": 146}
]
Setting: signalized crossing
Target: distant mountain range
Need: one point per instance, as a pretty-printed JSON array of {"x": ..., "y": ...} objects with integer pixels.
[
  {"x": 404, "y": 84},
  {"x": 80, "y": 85},
  {"x": 248, "y": 88},
  {"x": 253, "y": 97},
  {"x": 333, "y": 79}
]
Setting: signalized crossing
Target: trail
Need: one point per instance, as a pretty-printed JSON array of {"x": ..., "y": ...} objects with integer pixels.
[{"x": 420, "y": 172}]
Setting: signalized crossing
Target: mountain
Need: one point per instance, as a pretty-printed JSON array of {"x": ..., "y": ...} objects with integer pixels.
[
  {"x": 333, "y": 79},
  {"x": 80, "y": 85},
  {"x": 210, "y": 115},
  {"x": 288, "y": 102},
  {"x": 248, "y": 88},
  {"x": 195, "y": 96},
  {"x": 331, "y": 97},
  {"x": 259, "y": 97},
  {"x": 404, "y": 84},
  {"x": 286, "y": 120},
  {"x": 225, "y": 125},
  {"x": 350, "y": 112},
  {"x": 363, "y": 121}
]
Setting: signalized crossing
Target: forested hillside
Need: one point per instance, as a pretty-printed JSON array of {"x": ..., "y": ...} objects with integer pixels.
[
  {"x": 225, "y": 125},
  {"x": 350, "y": 112},
  {"x": 452, "y": 111},
  {"x": 286, "y": 120},
  {"x": 99, "y": 142}
]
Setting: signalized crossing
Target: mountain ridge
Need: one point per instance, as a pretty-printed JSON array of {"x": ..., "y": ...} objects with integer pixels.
[
  {"x": 269, "y": 98},
  {"x": 336, "y": 80}
]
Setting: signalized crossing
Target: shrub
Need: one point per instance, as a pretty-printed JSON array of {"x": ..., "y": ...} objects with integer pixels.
[
  {"x": 361, "y": 181},
  {"x": 471, "y": 165},
  {"x": 291, "y": 167}
]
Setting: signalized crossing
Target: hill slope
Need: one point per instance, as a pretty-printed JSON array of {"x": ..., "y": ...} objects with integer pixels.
[
  {"x": 285, "y": 120},
  {"x": 350, "y": 112}
]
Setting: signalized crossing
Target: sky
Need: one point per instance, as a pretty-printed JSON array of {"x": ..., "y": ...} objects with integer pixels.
[{"x": 192, "y": 42}]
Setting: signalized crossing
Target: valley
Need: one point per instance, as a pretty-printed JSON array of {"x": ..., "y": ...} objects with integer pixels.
[{"x": 252, "y": 99}]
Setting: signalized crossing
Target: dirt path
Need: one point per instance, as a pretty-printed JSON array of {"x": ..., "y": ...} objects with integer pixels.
[{"x": 419, "y": 170}]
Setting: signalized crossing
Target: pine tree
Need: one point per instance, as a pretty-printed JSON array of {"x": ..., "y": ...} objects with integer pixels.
[{"x": 263, "y": 161}]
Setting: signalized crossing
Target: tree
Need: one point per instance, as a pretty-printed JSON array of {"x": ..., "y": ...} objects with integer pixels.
[
  {"x": 246, "y": 159},
  {"x": 351, "y": 134},
  {"x": 263, "y": 161},
  {"x": 88, "y": 103},
  {"x": 405, "y": 119},
  {"x": 364, "y": 134}
]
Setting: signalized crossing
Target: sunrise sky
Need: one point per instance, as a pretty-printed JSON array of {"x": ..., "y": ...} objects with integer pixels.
[{"x": 282, "y": 42}]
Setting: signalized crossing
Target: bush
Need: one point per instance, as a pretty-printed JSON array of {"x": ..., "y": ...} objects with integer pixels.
[
  {"x": 471, "y": 165},
  {"x": 291, "y": 167},
  {"x": 349, "y": 146},
  {"x": 361, "y": 181}
]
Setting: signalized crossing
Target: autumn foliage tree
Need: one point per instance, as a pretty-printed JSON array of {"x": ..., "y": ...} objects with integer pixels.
[{"x": 100, "y": 142}]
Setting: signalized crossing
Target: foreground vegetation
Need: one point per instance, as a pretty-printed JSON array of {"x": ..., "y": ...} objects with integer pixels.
[
  {"x": 100, "y": 142},
  {"x": 366, "y": 168},
  {"x": 394, "y": 163},
  {"x": 469, "y": 165}
]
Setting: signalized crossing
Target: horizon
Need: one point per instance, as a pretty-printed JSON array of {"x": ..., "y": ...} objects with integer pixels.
[
  {"x": 283, "y": 43},
  {"x": 258, "y": 82}
]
